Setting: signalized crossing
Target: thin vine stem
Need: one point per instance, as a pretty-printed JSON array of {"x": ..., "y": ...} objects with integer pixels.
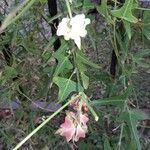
[
  {"x": 44, "y": 123},
  {"x": 120, "y": 137},
  {"x": 69, "y": 9},
  {"x": 77, "y": 70}
]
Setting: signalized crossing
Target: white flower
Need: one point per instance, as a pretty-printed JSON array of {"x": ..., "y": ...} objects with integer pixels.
[
  {"x": 73, "y": 28},
  {"x": 70, "y": 1}
]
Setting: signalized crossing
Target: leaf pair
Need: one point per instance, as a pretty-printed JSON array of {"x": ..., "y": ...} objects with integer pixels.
[
  {"x": 125, "y": 12},
  {"x": 81, "y": 62},
  {"x": 67, "y": 86}
]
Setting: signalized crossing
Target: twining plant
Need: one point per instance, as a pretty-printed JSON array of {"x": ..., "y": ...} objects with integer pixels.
[{"x": 70, "y": 69}]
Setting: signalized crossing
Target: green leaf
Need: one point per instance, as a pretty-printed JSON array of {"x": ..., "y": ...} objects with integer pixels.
[
  {"x": 81, "y": 58},
  {"x": 131, "y": 145},
  {"x": 63, "y": 63},
  {"x": 107, "y": 145},
  {"x": 66, "y": 86},
  {"x": 137, "y": 115},
  {"x": 82, "y": 69},
  {"x": 132, "y": 118},
  {"x": 87, "y": 4},
  {"x": 145, "y": 64},
  {"x": 10, "y": 72},
  {"x": 146, "y": 27},
  {"x": 44, "y": 88},
  {"x": 127, "y": 28},
  {"x": 85, "y": 80},
  {"x": 46, "y": 56},
  {"x": 92, "y": 36},
  {"x": 138, "y": 58},
  {"x": 142, "y": 53},
  {"x": 6, "y": 94},
  {"x": 17, "y": 13},
  {"x": 102, "y": 9},
  {"x": 49, "y": 44},
  {"x": 77, "y": 3},
  {"x": 125, "y": 12},
  {"x": 146, "y": 31},
  {"x": 115, "y": 100},
  {"x": 29, "y": 46},
  {"x": 62, "y": 49}
]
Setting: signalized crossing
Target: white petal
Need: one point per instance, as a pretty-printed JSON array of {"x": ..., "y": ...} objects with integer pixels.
[
  {"x": 66, "y": 37},
  {"x": 70, "y": 1},
  {"x": 77, "y": 40},
  {"x": 77, "y": 20},
  {"x": 87, "y": 21},
  {"x": 83, "y": 33},
  {"x": 63, "y": 27}
]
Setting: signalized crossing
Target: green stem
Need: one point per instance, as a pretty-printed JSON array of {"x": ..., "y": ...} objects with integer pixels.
[
  {"x": 89, "y": 107},
  {"x": 120, "y": 137},
  {"x": 42, "y": 124},
  {"x": 114, "y": 39},
  {"x": 77, "y": 71},
  {"x": 69, "y": 9}
]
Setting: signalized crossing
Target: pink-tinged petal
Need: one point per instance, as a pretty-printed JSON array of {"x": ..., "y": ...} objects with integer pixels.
[
  {"x": 74, "y": 126},
  {"x": 79, "y": 133},
  {"x": 68, "y": 134},
  {"x": 83, "y": 119},
  {"x": 68, "y": 123},
  {"x": 67, "y": 129}
]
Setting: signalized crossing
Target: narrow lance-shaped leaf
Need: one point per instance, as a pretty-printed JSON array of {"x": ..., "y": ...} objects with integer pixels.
[
  {"x": 82, "y": 69},
  {"x": 80, "y": 57},
  {"x": 16, "y": 14},
  {"x": 85, "y": 80},
  {"x": 102, "y": 9},
  {"x": 107, "y": 144},
  {"x": 146, "y": 27},
  {"x": 132, "y": 118},
  {"x": 115, "y": 100},
  {"x": 127, "y": 28},
  {"x": 81, "y": 62},
  {"x": 49, "y": 44},
  {"x": 87, "y": 4}
]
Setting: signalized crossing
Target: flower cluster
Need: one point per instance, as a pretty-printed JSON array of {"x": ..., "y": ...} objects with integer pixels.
[
  {"x": 73, "y": 28},
  {"x": 74, "y": 126}
]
